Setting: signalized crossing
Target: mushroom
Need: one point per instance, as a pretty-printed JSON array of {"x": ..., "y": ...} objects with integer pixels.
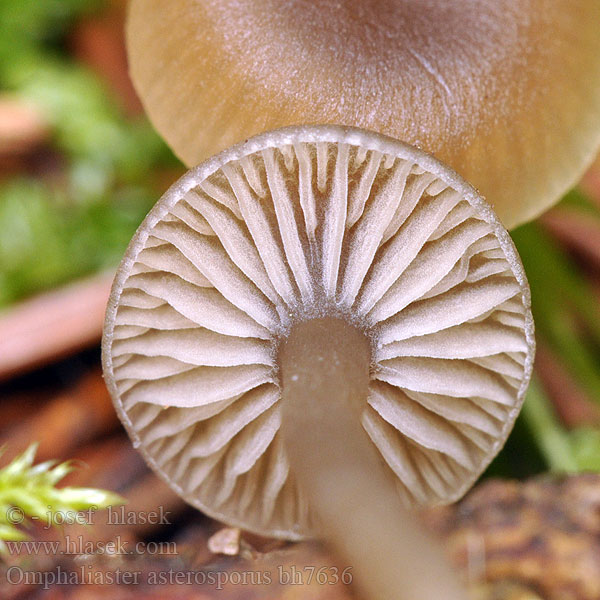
[
  {"x": 315, "y": 331},
  {"x": 505, "y": 92}
]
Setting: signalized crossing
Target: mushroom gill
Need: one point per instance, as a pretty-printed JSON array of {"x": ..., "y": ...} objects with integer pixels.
[{"x": 304, "y": 224}]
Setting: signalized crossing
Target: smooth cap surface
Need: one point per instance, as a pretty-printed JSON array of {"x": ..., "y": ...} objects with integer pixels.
[{"x": 506, "y": 92}]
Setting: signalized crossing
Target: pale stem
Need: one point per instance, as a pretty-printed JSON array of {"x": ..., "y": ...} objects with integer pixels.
[{"x": 324, "y": 365}]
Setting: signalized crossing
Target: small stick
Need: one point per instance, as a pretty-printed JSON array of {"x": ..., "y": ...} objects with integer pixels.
[
  {"x": 571, "y": 402},
  {"x": 22, "y": 126},
  {"x": 53, "y": 325},
  {"x": 98, "y": 42},
  {"x": 577, "y": 231}
]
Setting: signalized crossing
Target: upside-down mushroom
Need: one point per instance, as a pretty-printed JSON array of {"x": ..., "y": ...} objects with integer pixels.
[
  {"x": 505, "y": 92},
  {"x": 315, "y": 331}
]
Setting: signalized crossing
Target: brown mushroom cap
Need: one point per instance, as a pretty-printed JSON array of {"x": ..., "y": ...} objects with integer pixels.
[
  {"x": 506, "y": 92},
  {"x": 307, "y": 223}
]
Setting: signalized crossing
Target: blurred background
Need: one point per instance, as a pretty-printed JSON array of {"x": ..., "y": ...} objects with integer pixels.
[{"x": 79, "y": 168}]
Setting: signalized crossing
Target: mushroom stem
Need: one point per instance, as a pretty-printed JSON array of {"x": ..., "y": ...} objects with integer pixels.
[{"x": 324, "y": 365}]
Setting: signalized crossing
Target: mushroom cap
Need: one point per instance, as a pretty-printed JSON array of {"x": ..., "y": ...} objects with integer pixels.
[
  {"x": 304, "y": 223},
  {"x": 505, "y": 92}
]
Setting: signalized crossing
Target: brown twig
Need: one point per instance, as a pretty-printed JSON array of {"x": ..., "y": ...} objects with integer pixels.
[
  {"x": 590, "y": 183},
  {"x": 52, "y": 325},
  {"x": 574, "y": 407},
  {"x": 576, "y": 230},
  {"x": 98, "y": 42},
  {"x": 23, "y": 127}
]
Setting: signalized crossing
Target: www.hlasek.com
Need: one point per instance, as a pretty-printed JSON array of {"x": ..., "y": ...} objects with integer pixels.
[
  {"x": 79, "y": 546},
  {"x": 87, "y": 575}
]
